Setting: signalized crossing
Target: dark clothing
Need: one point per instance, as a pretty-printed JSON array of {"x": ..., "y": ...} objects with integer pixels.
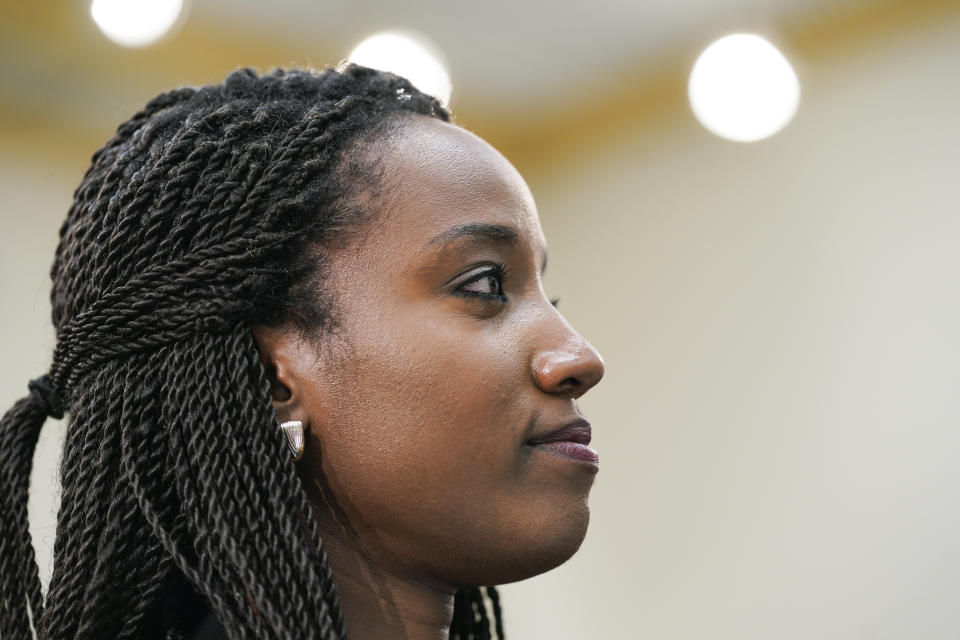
[{"x": 209, "y": 629}]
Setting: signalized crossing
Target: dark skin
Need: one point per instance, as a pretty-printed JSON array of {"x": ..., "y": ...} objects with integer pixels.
[{"x": 419, "y": 405}]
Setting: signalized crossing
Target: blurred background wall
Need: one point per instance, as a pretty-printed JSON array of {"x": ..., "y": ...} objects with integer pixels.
[{"x": 778, "y": 426}]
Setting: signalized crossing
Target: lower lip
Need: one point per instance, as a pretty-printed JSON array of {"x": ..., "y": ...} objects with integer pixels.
[{"x": 572, "y": 450}]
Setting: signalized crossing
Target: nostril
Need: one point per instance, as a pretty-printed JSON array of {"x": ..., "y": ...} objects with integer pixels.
[{"x": 571, "y": 386}]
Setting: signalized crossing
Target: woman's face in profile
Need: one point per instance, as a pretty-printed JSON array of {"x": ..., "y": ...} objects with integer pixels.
[{"x": 447, "y": 359}]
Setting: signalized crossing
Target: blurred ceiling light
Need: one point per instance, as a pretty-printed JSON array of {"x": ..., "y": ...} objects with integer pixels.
[
  {"x": 407, "y": 55},
  {"x": 135, "y": 23},
  {"x": 743, "y": 89}
]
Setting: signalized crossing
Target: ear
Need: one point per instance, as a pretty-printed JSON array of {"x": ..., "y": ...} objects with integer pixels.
[{"x": 280, "y": 351}]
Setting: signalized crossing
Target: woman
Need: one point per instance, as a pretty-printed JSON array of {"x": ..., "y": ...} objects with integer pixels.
[{"x": 326, "y": 253}]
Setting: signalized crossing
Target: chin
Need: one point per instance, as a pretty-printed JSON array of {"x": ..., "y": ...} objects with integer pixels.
[
  {"x": 529, "y": 547},
  {"x": 557, "y": 545}
]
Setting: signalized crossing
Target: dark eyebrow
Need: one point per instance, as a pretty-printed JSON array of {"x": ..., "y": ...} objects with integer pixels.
[{"x": 494, "y": 232}]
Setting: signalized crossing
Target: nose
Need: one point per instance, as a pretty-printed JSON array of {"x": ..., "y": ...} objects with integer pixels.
[{"x": 568, "y": 370}]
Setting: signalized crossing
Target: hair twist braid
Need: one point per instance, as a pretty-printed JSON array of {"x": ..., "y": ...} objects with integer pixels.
[{"x": 206, "y": 214}]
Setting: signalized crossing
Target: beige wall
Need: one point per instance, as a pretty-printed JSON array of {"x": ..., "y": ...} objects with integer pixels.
[{"x": 778, "y": 425}]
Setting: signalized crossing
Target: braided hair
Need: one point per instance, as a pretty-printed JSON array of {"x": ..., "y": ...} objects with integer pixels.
[{"x": 205, "y": 215}]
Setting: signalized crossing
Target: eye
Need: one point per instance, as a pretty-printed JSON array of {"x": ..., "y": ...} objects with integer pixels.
[{"x": 486, "y": 283}]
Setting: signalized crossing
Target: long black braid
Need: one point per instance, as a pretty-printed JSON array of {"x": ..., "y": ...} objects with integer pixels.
[{"x": 204, "y": 216}]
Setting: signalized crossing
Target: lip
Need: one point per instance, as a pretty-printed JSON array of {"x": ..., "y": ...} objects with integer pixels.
[
  {"x": 577, "y": 431},
  {"x": 571, "y": 451}
]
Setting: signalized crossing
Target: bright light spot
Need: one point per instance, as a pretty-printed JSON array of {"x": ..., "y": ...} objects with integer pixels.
[
  {"x": 135, "y": 23},
  {"x": 743, "y": 89},
  {"x": 409, "y": 56}
]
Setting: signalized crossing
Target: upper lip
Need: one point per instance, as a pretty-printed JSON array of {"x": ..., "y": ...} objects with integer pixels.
[{"x": 575, "y": 431}]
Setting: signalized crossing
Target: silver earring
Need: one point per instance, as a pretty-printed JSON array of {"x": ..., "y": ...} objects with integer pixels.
[{"x": 293, "y": 430}]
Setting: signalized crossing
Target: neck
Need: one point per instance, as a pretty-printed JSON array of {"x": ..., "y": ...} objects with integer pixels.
[
  {"x": 390, "y": 608},
  {"x": 378, "y": 602}
]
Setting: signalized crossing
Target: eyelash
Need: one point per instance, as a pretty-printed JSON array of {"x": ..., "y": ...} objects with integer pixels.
[{"x": 498, "y": 272}]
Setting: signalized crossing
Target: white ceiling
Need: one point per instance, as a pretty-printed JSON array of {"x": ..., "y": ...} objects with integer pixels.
[
  {"x": 514, "y": 52},
  {"x": 507, "y": 58}
]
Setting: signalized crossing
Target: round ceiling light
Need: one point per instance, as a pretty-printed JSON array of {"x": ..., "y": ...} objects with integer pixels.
[
  {"x": 407, "y": 55},
  {"x": 743, "y": 89},
  {"x": 135, "y": 23}
]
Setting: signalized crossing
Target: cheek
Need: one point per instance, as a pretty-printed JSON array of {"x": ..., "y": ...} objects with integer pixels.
[{"x": 414, "y": 403}]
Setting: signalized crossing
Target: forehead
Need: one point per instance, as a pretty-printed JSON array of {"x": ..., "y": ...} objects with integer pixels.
[{"x": 436, "y": 175}]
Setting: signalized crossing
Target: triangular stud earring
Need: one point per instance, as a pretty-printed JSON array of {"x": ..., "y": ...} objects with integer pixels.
[{"x": 293, "y": 430}]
